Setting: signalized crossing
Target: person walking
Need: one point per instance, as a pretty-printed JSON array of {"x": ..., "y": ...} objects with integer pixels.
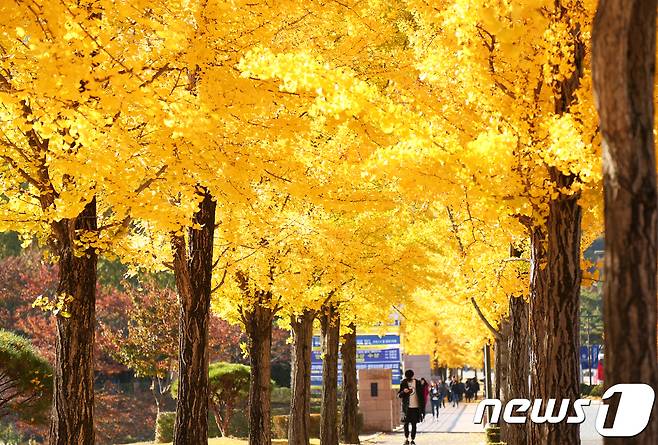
[
  {"x": 412, "y": 394},
  {"x": 461, "y": 390},
  {"x": 454, "y": 391},
  {"x": 435, "y": 399},
  {"x": 469, "y": 390},
  {"x": 426, "y": 397},
  {"x": 476, "y": 388},
  {"x": 443, "y": 393}
]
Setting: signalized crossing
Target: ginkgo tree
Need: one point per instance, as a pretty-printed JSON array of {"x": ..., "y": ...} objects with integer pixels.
[
  {"x": 530, "y": 118},
  {"x": 522, "y": 71},
  {"x": 71, "y": 75},
  {"x": 299, "y": 263},
  {"x": 307, "y": 160}
]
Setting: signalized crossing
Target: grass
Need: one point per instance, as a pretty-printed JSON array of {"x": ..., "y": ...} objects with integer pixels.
[{"x": 232, "y": 441}]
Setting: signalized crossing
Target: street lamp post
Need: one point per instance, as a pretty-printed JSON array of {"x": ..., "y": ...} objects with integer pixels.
[
  {"x": 488, "y": 392},
  {"x": 587, "y": 318}
]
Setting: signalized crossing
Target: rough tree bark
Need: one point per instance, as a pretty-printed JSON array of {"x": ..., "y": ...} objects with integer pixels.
[
  {"x": 556, "y": 274},
  {"x": 258, "y": 322},
  {"x": 330, "y": 326},
  {"x": 350, "y": 403},
  {"x": 72, "y": 416},
  {"x": 501, "y": 366},
  {"x": 501, "y": 360},
  {"x": 518, "y": 369},
  {"x": 623, "y": 63},
  {"x": 300, "y": 403},
  {"x": 554, "y": 303},
  {"x": 193, "y": 271}
]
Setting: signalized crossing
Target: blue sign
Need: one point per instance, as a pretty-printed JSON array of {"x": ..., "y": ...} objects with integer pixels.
[
  {"x": 316, "y": 372},
  {"x": 366, "y": 356},
  {"x": 369, "y": 355},
  {"x": 591, "y": 362},
  {"x": 379, "y": 355},
  {"x": 368, "y": 340},
  {"x": 375, "y": 340}
]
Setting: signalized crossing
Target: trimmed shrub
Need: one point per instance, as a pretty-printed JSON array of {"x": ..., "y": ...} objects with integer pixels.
[
  {"x": 280, "y": 410},
  {"x": 597, "y": 390},
  {"x": 493, "y": 434},
  {"x": 239, "y": 424},
  {"x": 10, "y": 436},
  {"x": 164, "y": 427},
  {"x": 280, "y": 426},
  {"x": 229, "y": 388},
  {"x": 26, "y": 380},
  {"x": 585, "y": 389},
  {"x": 281, "y": 396}
]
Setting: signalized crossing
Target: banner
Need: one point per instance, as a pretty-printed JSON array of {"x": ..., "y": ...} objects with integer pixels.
[{"x": 591, "y": 362}]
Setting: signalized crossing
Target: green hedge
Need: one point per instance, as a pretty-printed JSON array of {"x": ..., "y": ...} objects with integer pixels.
[
  {"x": 164, "y": 426},
  {"x": 585, "y": 389},
  {"x": 280, "y": 425},
  {"x": 9, "y": 435},
  {"x": 31, "y": 376},
  {"x": 281, "y": 396},
  {"x": 597, "y": 391},
  {"x": 493, "y": 435}
]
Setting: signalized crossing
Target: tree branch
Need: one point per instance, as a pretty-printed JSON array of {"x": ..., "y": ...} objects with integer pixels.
[{"x": 486, "y": 322}]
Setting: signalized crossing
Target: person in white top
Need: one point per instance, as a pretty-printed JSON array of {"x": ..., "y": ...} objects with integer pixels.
[{"x": 412, "y": 393}]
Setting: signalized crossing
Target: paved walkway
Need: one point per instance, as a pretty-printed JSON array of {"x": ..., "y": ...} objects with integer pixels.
[
  {"x": 433, "y": 439},
  {"x": 452, "y": 419},
  {"x": 455, "y": 426}
]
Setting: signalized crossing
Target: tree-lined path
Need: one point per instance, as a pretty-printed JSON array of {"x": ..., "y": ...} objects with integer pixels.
[
  {"x": 327, "y": 168},
  {"x": 455, "y": 425}
]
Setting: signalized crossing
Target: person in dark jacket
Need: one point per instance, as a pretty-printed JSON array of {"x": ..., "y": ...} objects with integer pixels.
[
  {"x": 443, "y": 389},
  {"x": 461, "y": 389},
  {"x": 476, "y": 388},
  {"x": 426, "y": 397},
  {"x": 435, "y": 399},
  {"x": 469, "y": 390},
  {"x": 412, "y": 393}
]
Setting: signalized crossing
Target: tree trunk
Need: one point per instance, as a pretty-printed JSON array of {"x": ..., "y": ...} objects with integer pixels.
[
  {"x": 556, "y": 274},
  {"x": 330, "y": 324},
  {"x": 193, "y": 270},
  {"x": 299, "y": 426},
  {"x": 502, "y": 360},
  {"x": 624, "y": 52},
  {"x": 72, "y": 416},
  {"x": 219, "y": 421},
  {"x": 350, "y": 401},
  {"x": 554, "y": 303},
  {"x": 155, "y": 390},
  {"x": 518, "y": 367},
  {"x": 501, "y": 366},
  {"x": 258, "y": 323}
]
